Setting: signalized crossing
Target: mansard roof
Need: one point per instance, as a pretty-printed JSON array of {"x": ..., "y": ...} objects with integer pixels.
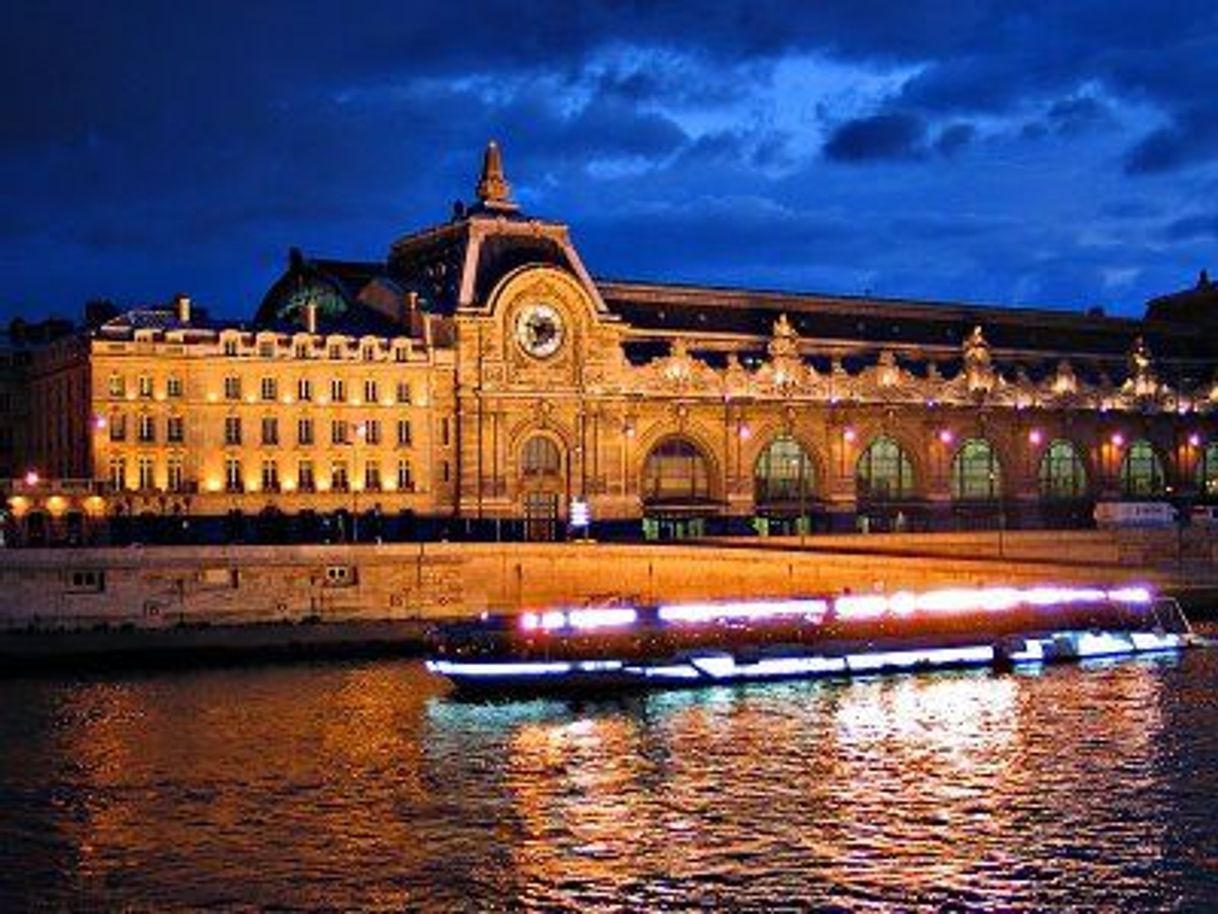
[{"x": 846, "y": 322}]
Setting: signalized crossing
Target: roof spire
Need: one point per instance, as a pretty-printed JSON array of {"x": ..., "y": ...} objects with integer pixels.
[{"x": 494, "y": 192}]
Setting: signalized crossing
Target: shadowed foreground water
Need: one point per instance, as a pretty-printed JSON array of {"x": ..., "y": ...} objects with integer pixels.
[{"x": 359, "y": 786}]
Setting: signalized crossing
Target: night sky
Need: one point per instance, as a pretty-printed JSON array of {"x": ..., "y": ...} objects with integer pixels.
[{"x": 1060, "y": 153}]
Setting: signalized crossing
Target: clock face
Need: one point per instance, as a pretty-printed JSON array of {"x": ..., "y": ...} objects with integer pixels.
[{"x": 539, "y": 330}]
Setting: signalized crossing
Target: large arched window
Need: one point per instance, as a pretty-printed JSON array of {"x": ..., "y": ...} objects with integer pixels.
[
  {"x": 784, "y": 472},
  {"x": 540, "y": 457},
  {"x": 1062, "y": 474},
  {"x": 884, "y": 471},
  {"x": 1207, "y": 472},
  {"x": 676, "y": 471},
  {"x": 976, "y": 474},
  {"x": 1141, "y": 471}
]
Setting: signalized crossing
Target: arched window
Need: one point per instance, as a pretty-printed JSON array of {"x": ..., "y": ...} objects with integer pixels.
[
  {"x": 1207, "y": 472},
  {"x": 884, "y": 471},
  {"x": 1062, "y": 474},
  {"x": 676, "y": 471},
  {"x": 975, "y": 471},
  {"x": 784, "y": 472},
  {"x": 540, "y": 457},
  {"x": 1141, "y": 471}
]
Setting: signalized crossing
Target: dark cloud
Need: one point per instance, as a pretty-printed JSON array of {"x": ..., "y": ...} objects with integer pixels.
[
  {"x": 1192, "y": 227},
  {"x": 1190, "y": 139},
  {"x": 147, "y": 146},
  {"x": 954, "y": 137},
  {"x": 880, "y": 136}
]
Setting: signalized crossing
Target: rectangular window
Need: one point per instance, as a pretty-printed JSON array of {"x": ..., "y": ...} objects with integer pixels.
[
  {"x": 338, "y": 431},
  {"x": 270, "y": 476},
  {"x": 118, "y": 427},
  {"x": 270, "y": 430},
  {"x": 269, "y": 389},
  {"x": 371, "y": 392},
  {"x": 372, "y": 431},
  {"x": 444, "y": 471},
  {"x": 173, "y": 478},
  {"x": 118, "y": 386},
  {"x": 404, "y": 439},
  {"x": 118, "y": 473},
  {"x": 145, "y": 387},
  {"x": 403, "y": 392},
  {"x": 232, "y": 429},
  {"x": 338, "y": 390},
  {"x": 147, "y": 429},
  {"x": 302, "y": 350},
  {"x": 304, "y": 476},
  {"x": 175, "y": 429},
  {"x": 405, "y": 479},
  {"x": 369, "y": 353},
  {"x": 372, "y": 476},
  {"x": 232, "y": 388},
  {"x": 444, "y": 431},
  {"x": 173, "y": 386},
  {"x": 230, "y": 347},
  {"x": 401, "y": 354},
  {"x": 304, "y": 431},
  {"x": 304, "y": 390},
  {"x": 338, "y": 477},
  {"x": 336, "y": 351},
  {"x": 146, "y": 474},
  {"x": 266, "y": 350},
  {"x": 233, "y": 481}
]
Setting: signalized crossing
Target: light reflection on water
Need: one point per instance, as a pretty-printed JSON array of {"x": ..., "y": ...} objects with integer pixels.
[{"x": 362, "y": 786}]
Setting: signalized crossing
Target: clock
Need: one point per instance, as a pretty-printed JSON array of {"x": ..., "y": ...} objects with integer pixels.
[{"x": 539, "y": 330}]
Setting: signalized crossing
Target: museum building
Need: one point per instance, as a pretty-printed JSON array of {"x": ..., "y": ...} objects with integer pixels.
[{"x": 480, "y": 382}]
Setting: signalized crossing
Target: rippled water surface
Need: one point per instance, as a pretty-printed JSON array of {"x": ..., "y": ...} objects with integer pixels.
[{"x": 361, "y": 786}]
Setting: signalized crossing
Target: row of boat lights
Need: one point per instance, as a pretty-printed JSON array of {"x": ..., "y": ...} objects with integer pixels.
[{"x": 849, "y": 607}]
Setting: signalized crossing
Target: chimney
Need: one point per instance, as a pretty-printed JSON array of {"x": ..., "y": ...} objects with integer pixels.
[
  {"x": 181, "y": 305},
  {"x": 310, "y": 316},
  {"x": 410, "y": 304}
]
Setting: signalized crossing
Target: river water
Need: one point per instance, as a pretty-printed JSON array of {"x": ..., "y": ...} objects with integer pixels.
[{"x": 360, "y": 786}]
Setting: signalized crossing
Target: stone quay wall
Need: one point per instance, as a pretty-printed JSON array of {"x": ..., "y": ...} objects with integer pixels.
[{"x": 162, "y": 587}]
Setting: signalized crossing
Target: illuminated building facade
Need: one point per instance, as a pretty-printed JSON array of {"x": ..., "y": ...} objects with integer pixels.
[{"x": 479, "y": 381}]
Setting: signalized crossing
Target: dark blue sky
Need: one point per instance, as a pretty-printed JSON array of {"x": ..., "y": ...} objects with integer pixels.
[{"x": 1057, "y": 153}]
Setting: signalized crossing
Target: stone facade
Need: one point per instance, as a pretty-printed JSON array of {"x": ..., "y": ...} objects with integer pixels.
[{"x": 480, "y": 382}]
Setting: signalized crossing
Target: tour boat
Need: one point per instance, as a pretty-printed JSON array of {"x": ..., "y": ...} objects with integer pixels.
[{"x": 627, "y": 644}]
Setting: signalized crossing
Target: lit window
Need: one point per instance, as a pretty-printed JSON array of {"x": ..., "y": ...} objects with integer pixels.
[
  {"x": 784, "y": 473},
  {"x": 269, "y": 389},
  {"x": 147, "y": 430},
  {"x": 338, "y": 390},
  {"x": 339, "y": 481},
  {"x": 539, "y": 457},
  {"x": 304, "y": 390},
  {"x": 173, "y": 386},
  {"x": 405, "y": 479},
  {"x": 1207, "y": 471},
  {"x": 403, "y": 391},
  {"x": 175, "y": 429},
  {"x": 304, "y": 431},
  {"x": 884, "y": 471},
  {"x": 1061, "y": 473},
  {"x": 1141, "y": 471},
  {"x": 145, "y": 387},
  {"x": 232, "y": 388},
  {"x": 232, "y": 429},
  {"x": 270, "y": 430},
  {"x": 233, "y": 480},
  {"x": 371, "y": 394},
  {"x": 675, "y": 471},
  {"x": 372, "y": 431},
  {"x": 304, "y": 476},
  {"x": 404, "y": 438},
  {"x": 976, "y": 474}
]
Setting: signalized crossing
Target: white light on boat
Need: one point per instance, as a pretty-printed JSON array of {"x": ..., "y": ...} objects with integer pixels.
[
  {"x": 1130, "y": 595},
  {"x": 553, "y": 619},
  {"x": 693, "y": 613},
  {"x": 601, "y": 618},
  {"x": 857, "y": 609},
  {"x": 459, "y": 669}
]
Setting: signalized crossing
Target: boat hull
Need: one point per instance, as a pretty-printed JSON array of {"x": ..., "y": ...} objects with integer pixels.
[{"x": 490, "y": 676}]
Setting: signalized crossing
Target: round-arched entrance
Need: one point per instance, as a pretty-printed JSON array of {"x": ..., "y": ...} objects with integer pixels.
[
  {"x": 542, "y": 486},
  {"x": 784, "y": 488},
  {"x": 677, "y": 490}
]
